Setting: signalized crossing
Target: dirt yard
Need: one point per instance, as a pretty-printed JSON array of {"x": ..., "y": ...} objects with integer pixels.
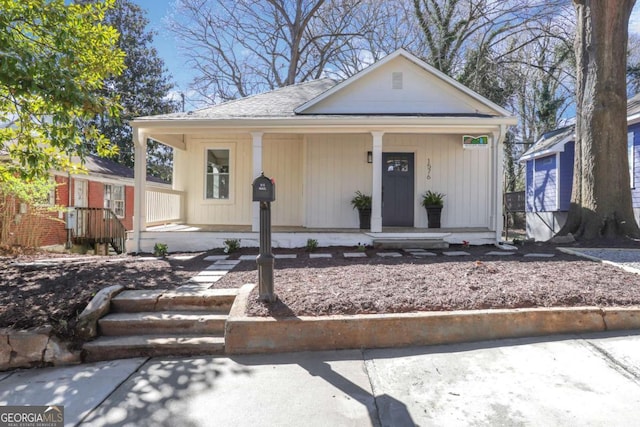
[{"x": 53, "y": 289}]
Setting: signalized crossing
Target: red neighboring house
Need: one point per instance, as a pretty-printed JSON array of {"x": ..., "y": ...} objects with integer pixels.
[{"x": 101, "y": 202}]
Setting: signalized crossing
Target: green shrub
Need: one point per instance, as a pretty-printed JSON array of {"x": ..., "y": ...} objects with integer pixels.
[
  {"x": 312, "y": 245},
  {"x": 231, "y": 245},
  {"x": 160, "y": 249}
]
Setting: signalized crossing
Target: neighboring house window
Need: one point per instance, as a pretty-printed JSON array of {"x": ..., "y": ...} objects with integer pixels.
[
  {"x": 51, "y": 194},
  {"x": 114, "y": 199},
  {"x": 217, "y": 179},
  {"x": 631, "y": 155}
]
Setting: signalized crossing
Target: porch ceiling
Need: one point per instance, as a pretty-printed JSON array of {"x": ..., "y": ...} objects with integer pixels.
[{"x": 172, "y": 132}]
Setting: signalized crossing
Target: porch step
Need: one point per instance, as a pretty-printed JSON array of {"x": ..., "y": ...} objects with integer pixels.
[
  {"x": 162, "y": 323},
  {"x": 212, "y": 300},
  {"x": 108, "y": 348},
  {"x": 407, "y": 243}
]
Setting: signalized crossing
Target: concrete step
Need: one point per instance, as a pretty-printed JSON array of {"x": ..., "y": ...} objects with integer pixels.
[
  {"x": 109, "y": 348},
  {"x": 165, "y": 322},
  {"x": 399, "y": 243},
  {"x": 214, "y": 300}
]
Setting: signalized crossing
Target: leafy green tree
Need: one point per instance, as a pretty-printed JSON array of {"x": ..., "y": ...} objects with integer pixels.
[
  {"x": 142, "y": 88},
  {"x": 54, "y": 58}
]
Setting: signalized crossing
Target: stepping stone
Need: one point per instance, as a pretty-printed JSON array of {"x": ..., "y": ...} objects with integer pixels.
[
  {"x": 182, "y": 257},
  {"x": 232, "y": 262},
  {"x": 499, "y": 253},
  {"x": 286, "y": 256},
  {"x": 355, "y": 255},
  {"x": 205, "y": 279},
  {"x": 194, "y": 287},
  {"x": 220, "y": 267},
  {"x": 215, "y": 257},
  {"x": 147, "y": 258},
  {"x": 211, "y": 273},
  {"x": 248, "y": 257},
  {"x": 456, "y": 253},
  {"x": 425, "y": 253},
  {"x": 539, "y": 255},
  {"x": 320, "y": 256},
  {"x": 389, "y": 254}
]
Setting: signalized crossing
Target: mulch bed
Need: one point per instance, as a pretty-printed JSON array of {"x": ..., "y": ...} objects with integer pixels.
[{"x": 37, "y": 290}]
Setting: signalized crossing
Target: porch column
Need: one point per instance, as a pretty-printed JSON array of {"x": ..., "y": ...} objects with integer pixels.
[
  {"x": 376, "y": 193},
  {"x": 257, "y": 169},
  {"x": 498, "y": 140},
  {"x": 140, "y": 179}
]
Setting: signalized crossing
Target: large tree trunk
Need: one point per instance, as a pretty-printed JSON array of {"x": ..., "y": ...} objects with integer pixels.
[{"x": 601, "y": 197}]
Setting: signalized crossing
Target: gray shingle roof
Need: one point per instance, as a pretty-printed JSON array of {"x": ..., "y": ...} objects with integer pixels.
[
  {"x": 276, "y": 103},
  {"x": 633, "y": 105},
  {"x": 549, "y": 140},
  {"x": 99, "y": 165}
]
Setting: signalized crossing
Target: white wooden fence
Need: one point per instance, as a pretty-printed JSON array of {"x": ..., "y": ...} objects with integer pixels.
[{"x": 164, "y": 206}]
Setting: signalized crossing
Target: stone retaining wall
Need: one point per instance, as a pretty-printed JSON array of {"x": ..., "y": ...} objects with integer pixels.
[
  {"x": 34, "y": 348},
  {"x": 246, "y": 334}
]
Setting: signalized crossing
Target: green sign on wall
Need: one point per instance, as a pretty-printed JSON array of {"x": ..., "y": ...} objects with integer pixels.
[{"x": 469, "y": 141}]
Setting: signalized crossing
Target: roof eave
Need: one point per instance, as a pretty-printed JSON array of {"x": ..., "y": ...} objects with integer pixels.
[
  {"x": 558, "y": 147},
  {"x": 304, "y": 122}
]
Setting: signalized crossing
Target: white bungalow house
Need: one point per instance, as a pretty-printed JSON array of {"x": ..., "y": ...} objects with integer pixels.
[{"x": 394, "y": 131}]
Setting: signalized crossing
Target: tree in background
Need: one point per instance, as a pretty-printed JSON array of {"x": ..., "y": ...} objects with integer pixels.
[
  {"x": 601, "y": 200},
  {"x": 55, "y": 58},
  {"x": 633, "y": 65},
  {"x": 142, "y": 89},
  {"x": 243, "y": 47}
]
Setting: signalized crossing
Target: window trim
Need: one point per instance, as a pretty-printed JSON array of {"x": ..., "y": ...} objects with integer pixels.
[
  {"x": 631, "y": 157},
  {"x": 112, "y": 201},
  {"x": 231, "y": 149}
]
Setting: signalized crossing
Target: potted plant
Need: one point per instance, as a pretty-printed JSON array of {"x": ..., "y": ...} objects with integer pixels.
[
  {"x": 433, "y": 202},
  {"x": 362, "y": 202}
]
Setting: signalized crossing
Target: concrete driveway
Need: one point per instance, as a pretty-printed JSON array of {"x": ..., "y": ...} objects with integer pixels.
[{"x": 586, "y": 380}]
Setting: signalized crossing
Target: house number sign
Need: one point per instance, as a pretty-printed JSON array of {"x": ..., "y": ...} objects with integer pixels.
[{"x": 481, "y": 141}]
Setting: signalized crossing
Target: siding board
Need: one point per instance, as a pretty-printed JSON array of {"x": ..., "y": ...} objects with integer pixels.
[
  {"x": 566, "y": 175},
  {"x": 544, "y": 184}
]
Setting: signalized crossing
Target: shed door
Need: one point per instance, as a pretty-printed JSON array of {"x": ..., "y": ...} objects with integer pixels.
[{"x": 397, "y": 189}]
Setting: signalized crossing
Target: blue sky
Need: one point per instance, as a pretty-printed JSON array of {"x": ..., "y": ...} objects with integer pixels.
[
  {"x": 164, "y": 42},
  {"x": 159, "y": 10}
]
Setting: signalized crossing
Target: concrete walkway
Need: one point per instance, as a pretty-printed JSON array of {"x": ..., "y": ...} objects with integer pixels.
[{"x": 588, "y": 380}]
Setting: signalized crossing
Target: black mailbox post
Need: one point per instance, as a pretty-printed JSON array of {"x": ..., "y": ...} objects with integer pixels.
[{"x": 264, "y": 191}]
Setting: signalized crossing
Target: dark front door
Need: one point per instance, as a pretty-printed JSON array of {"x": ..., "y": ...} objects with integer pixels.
[{"x": 397, "y": 189}]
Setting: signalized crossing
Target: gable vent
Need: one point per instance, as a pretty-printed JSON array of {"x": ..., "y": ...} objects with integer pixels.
[{"x": 396, "y": 80}]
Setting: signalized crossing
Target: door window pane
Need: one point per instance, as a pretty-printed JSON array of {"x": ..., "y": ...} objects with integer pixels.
[{"x": 397, "y": 165}]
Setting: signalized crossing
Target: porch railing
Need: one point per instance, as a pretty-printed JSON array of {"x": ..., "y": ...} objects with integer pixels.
[
  {"x": 164, "y": 206},
  {"x": 99, "y": 226}
]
